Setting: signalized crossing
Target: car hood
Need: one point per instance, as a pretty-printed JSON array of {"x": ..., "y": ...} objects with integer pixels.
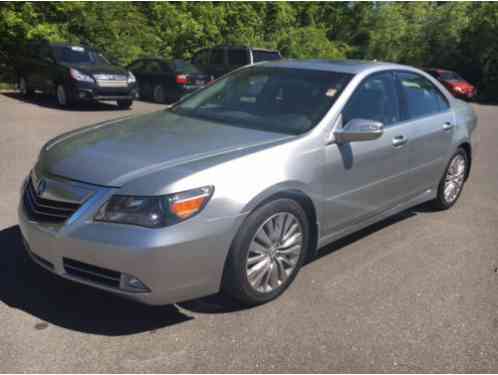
[
  {"x": 97, "y": 68},
  {"x": 115, "y": 152}
]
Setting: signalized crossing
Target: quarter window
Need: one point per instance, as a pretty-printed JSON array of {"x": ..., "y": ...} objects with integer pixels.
[
  {"x": 419, "y": 97},
  {"x": 375, "y": 99}
]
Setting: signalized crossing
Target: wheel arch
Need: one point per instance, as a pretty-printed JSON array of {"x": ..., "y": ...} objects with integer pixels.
[
  {"x": 468, "y": 149},
  {"x": 303, "y": 199}
]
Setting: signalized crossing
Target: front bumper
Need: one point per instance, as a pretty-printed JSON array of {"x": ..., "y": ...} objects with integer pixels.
[
  {"x": 85, "y": 91},
  {"x": 177, "y": 263}
]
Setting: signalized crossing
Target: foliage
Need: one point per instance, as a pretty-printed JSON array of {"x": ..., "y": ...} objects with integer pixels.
[{"x": 454, "y": 35}]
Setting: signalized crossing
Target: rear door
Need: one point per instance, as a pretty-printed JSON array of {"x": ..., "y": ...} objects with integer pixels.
[
  {"x": 430, "y": 124},
  {"x": 363, "y": 179}
]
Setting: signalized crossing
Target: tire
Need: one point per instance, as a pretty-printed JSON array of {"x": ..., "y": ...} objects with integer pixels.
[
  {"x": 62, "y": 95},
  {"x": 256, "y": 274},
  {"x": 158, "y": 94},
  {"x": 125, "y": 104},
  {"x": 453, "y": 179},
  {"x": 24, "y": 88}
]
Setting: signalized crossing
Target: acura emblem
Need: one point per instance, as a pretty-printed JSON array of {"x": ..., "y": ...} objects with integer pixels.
[{"x": 40, "y": 189}]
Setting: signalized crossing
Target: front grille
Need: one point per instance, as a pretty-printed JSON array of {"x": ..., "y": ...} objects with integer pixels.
[
  {"x": 46, "y": 210},
  {"x": 111, "y": 80},
  {"x": 92, "y": 273}
]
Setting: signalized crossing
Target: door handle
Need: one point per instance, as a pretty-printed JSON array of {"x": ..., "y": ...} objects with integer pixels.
[
  {"x": 447, "y": 126},
  {"x": 399, "y": 141}
]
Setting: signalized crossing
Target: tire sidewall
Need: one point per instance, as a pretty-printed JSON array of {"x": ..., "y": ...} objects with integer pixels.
[
  {"x": 445, "y": 204},
  {"x": 235, "y": 278}
]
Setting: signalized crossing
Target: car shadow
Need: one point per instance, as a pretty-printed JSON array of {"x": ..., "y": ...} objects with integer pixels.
[
  {"x": 48, "y": 101},
  {"x": 26, "y": 286}
]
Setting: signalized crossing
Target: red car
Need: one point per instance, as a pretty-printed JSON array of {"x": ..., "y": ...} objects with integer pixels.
[{"x": 454, "y": 83}]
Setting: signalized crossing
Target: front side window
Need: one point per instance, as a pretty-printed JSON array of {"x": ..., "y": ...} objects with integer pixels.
[
  {"x": 375, "y": 99},
  {"x": 283, "y": 100},
  {"x": 419, "y": 97}
]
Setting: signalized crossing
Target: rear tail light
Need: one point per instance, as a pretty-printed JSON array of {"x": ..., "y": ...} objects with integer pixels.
[{"x": 181, "y": 79}]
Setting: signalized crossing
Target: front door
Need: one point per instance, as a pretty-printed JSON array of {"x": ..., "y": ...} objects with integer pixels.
[{"x": 362, "y": 179}]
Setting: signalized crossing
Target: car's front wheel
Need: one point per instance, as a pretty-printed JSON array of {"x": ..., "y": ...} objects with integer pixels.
[
  {"x": 24, "y": 88},
  {"x": 267, "y": 253},
  {"x": 451, "y": 184},
  {"x": 159, "y": 94},
  {"x": 63, "y": 99},
  {"x": 124, "y": 104}
]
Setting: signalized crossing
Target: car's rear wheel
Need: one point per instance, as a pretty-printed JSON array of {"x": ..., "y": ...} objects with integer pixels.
[
  {"x": 158, "y": 94},
  {"x": 451, "y": 184},
  {"x": 125, "y": 104},
  {"x": 63, "y": 99},
  {"x": 267, "y": 253},
  {"x": 24, "y": 88}
]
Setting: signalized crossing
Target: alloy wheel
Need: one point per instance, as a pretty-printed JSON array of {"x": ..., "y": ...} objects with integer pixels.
[
  {"x": 454, "y": 179},
  {"x": 274, "y": 252}
]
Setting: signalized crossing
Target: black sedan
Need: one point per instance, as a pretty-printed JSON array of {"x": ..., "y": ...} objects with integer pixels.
[{"x": 166, "y": 82}]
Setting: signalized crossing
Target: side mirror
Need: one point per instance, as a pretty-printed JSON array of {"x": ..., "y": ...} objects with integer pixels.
[{"x": 358, "y": 130}]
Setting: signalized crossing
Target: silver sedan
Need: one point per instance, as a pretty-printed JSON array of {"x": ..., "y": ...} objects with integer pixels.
[{"x": 236, "y": 185}]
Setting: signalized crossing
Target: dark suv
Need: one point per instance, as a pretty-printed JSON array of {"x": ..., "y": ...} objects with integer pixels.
[
  {"x": 73, "y": 73},
  {"x": 223, "y": 59}
]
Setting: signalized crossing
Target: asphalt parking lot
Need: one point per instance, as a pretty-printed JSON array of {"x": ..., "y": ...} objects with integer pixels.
[{"x": 417, "y": 292}]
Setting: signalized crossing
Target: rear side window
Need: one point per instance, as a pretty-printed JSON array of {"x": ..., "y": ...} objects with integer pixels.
[
  {"x": 375, "y": 99},
  {"x": 181, "y": 66},
  {"x": 237, "y": 57},
  {"x": 217, "y": 57},
  {"x": 258, "y": 56},
  {"x": 419, "y": 97}
]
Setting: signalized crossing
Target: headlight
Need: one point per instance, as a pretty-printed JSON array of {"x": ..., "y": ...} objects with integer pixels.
[
  {"x": 459, "y": 89},
  {"x": 154, "y": 212},
  {"x": 78, "y": 76},
  {"x": 131, "y": 78}
]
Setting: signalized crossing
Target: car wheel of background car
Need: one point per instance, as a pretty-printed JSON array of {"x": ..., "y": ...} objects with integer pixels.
[
  {"x": 63, "y": 99},
  {"x": 125, "y": 104},
  {"x": 158, "y": 94},
  {"x": 451, "y": 185},
  {"x": 24, "y": 88},
  {"x": 267, "y": 253}
]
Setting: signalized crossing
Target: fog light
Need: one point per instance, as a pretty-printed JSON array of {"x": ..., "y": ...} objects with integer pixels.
[{"x": 132, "y": 284}]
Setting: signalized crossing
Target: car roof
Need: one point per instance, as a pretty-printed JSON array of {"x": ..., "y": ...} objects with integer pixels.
[{"x": 340, "y": 66}]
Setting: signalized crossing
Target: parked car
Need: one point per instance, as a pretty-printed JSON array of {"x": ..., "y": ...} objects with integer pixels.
[
  {"x": 459, "y": 87},
  {"x": 73, "y": 73},
  {"x": 223, "y": 59},
  {"x": 236, "y": 185},
  {"x": 165, "y": 81}
]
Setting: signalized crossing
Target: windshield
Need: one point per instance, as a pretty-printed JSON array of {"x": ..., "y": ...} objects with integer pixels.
[
  {"x": 450, "y": 76},
  {"x": 78, "y": 55},
  {"x": 182, "y": 66},
  {"x": 283, "y": 100}
]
